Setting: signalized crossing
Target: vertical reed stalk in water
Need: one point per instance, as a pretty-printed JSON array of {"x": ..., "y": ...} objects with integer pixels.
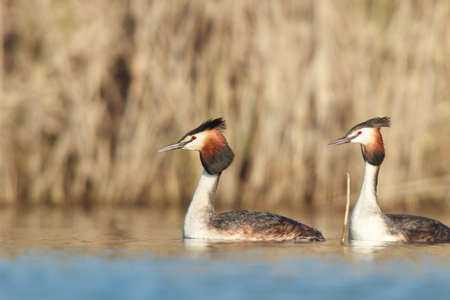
[{"x": 347, "y": 208}]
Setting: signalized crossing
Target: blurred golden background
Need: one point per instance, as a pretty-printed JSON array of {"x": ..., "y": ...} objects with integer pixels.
[{"x": 91, "y": 89}]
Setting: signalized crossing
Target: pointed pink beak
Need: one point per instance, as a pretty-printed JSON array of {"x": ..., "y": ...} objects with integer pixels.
[
  {"x": 342, "y": 140},
  {"x": 174, "y": 146}
]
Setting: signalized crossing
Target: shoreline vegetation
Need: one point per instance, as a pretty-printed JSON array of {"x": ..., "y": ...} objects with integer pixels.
[{"x": 89, "y": 90}]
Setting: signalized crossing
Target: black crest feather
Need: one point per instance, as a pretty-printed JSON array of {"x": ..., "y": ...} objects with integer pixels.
[
  {"x": 218, "y": 124},
  {"x": 374, "y": 122}
]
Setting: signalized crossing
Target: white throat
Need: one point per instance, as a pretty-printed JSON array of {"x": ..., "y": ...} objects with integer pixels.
[{"x": 201, "y": 209}]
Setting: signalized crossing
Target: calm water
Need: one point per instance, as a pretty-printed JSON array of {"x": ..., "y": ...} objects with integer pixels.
[{"x": 137, "y": 254}]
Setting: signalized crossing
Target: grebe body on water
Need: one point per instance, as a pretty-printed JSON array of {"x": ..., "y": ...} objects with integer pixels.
[
  {"x": 202, "y": 221},
  {"x": 367, "y": 221}
]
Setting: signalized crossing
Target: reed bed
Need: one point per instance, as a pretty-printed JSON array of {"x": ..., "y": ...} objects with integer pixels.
[{"x": 91, "y": 89}]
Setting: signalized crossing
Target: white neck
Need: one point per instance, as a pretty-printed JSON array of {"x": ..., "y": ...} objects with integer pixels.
[
  {"x": 201, "y": 209},
  {"x": 367, "y": 222},
  {"x": 368, "y": 196}
]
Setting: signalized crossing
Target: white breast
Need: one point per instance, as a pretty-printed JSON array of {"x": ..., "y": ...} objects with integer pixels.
[{"x": 369, "y": 227}]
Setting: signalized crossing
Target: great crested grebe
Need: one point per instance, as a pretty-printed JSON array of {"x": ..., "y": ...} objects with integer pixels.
[
  {"x": 202, "y": 221},
  {"x": 367, "y": 222}
]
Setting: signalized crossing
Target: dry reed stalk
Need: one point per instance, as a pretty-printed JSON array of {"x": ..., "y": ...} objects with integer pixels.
[
  {"x": 92, "y": 89},
  {"x": 347, "y": 209}
]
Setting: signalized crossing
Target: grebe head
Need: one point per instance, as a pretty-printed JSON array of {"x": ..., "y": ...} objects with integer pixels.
[
  {"x": 369, "y": 136},
  {"x": 215, "y": 154}
]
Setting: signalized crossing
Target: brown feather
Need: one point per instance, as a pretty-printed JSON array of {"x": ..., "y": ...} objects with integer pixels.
[
  {"x": 373, "y": 152},
  {"x": 216, "y": 155}
]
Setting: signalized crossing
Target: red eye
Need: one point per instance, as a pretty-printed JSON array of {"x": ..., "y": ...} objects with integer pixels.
[
  {"x": 359, "y": 132},
  {"x": 193, "y": 138}
]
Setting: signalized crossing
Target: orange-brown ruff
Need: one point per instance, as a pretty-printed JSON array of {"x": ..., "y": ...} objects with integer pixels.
[
  {"x": 214, "y": 143},
  {"x": 374, "y": 150},
  {"x": 202, "y": 221},
  {"x": 367, "y": 222}
]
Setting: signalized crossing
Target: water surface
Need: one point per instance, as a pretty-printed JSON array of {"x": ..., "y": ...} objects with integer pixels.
[{"x": 137, "y": 254}]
